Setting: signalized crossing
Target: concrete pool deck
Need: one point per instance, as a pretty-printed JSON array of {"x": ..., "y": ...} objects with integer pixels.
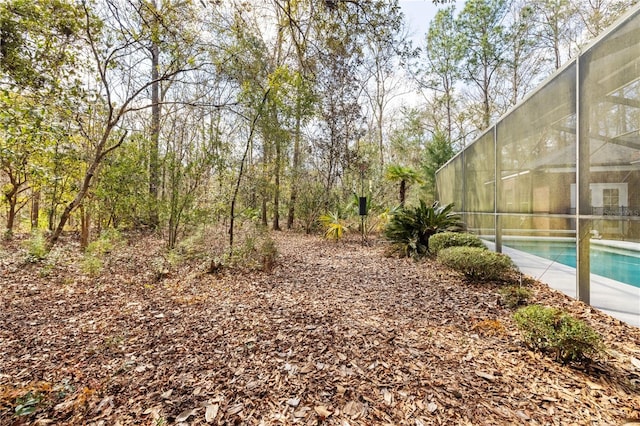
[{"x": 621, "y": 301}]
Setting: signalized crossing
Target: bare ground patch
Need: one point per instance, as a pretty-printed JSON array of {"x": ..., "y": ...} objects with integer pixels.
[{"x": 335, "y": 334}]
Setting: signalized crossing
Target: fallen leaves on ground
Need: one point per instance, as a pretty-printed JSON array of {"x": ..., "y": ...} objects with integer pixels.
[{"x": 335, "y": 334}]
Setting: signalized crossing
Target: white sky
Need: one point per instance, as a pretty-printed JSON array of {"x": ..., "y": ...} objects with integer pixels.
[{"x": 419, "y": 14}]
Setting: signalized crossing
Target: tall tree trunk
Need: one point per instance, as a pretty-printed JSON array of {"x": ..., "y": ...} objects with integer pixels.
[
  {"x": 234, "y": 197},
  {"x": 265, "y": 181},
  {"x": 265, "y": 219},
  {"x": 276, "y": 191},
  {"x": 66, "y": 214},
  {"x": 99, "y": 154},
  {"x": 11, "y": 214},
  {"x": 449, "y": 107},
  {"x": 379, "y": 117},
  {"x": 154, "y": 166},
  {"x": 296, "y": 171},
  {"x": 403, "y": 192},
  {"x": 11, "y": 196},
  {"x": 35, "y": 209},
  {"x": 486, "y": 113},
  {"x": 85, "y": 226}
]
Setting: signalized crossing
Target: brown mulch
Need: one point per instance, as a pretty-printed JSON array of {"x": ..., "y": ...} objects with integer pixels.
[{"x": 334, "y": 334}]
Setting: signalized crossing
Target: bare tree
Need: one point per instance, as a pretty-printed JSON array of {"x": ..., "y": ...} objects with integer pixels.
[{"x": 115, "y": 52}]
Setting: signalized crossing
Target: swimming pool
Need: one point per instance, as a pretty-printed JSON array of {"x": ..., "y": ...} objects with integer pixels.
[{"x": 620, "y": 264}]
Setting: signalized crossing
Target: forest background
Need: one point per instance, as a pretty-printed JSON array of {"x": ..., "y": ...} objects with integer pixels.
[{"x": 175, "y": 115}]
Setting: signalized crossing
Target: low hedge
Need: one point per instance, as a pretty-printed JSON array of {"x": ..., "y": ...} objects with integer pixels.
[
  {"x": 478, "y": 264},
  {"x": 515, "y": 295},
  {"x": 554, "y": 331},
  {"x": 445, "y": 240}
]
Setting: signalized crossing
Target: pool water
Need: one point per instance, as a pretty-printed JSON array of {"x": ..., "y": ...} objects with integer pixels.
[{"x": 617, "y": 264}]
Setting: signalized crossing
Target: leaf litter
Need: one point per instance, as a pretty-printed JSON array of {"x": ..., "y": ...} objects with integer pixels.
[{"x": 336, "y": 334}]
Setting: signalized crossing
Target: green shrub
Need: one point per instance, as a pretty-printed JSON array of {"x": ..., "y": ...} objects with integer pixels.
[
  {"x": 258, "y": 251},
  {"x": 104, "y": 243},
  {"x": 269, "y": 252},
  {"x": 335, "y": 226},
  {"x": 192, "y": 246},
  {"x": 445, "y": 240},
  {"x": 477, "y": 263},
  {"x": 409, "y": 228},
  {"x": 36, "y": 247},
  {"x": 91, "y": 265},
  {"x": 515, "y": 295},
  {"x": 27, "y": 404},
  {"x": 556, "y": 332},
  {"x": 92, "y": 259}
]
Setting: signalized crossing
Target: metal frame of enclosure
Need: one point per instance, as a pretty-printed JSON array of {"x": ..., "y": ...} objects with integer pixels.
[{"x": 565, "y": 162}]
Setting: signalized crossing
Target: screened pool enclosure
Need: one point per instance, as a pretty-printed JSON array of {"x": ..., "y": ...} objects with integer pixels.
[{"x": 559, "y": 174}]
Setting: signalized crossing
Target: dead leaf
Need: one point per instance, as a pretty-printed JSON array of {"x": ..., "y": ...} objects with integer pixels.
[
  {"x": 302, "y": 412},
  {"x": 432, "y": 407},
  {"x": 594, "y": 386},
  {"x": 350, "y": 408},
  {"x": 486, "y": 376},
  {"x": 64, "y": 405},
  {"x": 322, "y": 411},
  {"x": 307, "y": 368},
  {"x": 293, "y": 402},
  {"x": 235, "y": 409},
  {"x": 106, "y": 402},
  {"x": 182, "y": 417},
  {"x": 211, "y": 412},
  {"x": 635, "y": 362},
  {"x": 388, "y": 397}
]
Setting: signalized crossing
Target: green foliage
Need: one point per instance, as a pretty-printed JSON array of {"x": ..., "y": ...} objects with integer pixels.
[
  {"x": 92, "y": 262},
  {"x": 406, "y": 177},
  {"x": 269, "y": 253},
  {"x": 161, "y": 267},
  {"x": 478, "y": 264},
  {"x": 409, "y": 228},
  {"x": 398, "y": 173},
  {"x": 120, "y": 190},
  {"x": 437, "y": 152},
  {"x": 335, "y": 226},
  {"x": 192, "y": 247},
  {"x": 483, "y": 38},
  {"x": 445, "y": 240},
  {"x": 38, "y": 41},
  {"x": 27, "y": 404},
  {"x": 407, "y": 140},
  {"x": 105, "y": 242},
  {"x": 515, "y": 295},
  {"x": 258, "y": 252},
  {"x": 554, "y": 331},
  {"x": 91, "y": 265},
  {"x": 36, "y": 247}
]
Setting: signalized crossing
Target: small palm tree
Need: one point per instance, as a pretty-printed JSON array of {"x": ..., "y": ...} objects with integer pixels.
[
  {"x": 410, "y": 228},
  {"x": 405, "y": 175},
  {"x": 335, "y": 227}
]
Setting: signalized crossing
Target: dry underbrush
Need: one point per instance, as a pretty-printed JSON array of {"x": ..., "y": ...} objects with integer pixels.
[{"x": 336, "y": 333}]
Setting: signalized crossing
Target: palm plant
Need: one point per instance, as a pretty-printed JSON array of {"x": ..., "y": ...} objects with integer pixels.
[
  {"x": 405, "y": 176},
  {"x": 410, "y": 228},
  {"x": 334, "y": 225}
]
